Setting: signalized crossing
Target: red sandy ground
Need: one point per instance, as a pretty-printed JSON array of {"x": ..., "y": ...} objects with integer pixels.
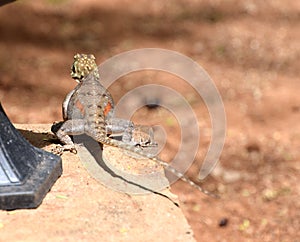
[{"x": 250, "y": 49}]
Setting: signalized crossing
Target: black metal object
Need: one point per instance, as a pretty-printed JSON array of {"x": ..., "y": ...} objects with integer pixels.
[
  {"x": 3, "y": 2},
  {"x": 26, "y": 172}
]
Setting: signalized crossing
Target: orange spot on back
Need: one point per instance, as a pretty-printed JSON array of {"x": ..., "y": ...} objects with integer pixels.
[
  {"x": 107, "y": 108},
  {"x": 79, "y": 105}
]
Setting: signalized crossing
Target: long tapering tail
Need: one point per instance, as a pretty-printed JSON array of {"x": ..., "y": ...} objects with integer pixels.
[{"x": 136, "y": 150}]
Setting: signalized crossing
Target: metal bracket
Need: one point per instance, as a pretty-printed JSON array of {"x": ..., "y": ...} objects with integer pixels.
[{"x": 26, "y": 172}]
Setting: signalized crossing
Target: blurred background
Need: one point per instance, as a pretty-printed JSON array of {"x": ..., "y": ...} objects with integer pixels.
[{"x": 251, "y": 50}]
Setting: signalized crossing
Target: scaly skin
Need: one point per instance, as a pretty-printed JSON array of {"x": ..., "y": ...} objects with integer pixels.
[
  {"x": 89, "y": 109},
  {"x": 132, "y": 134}
]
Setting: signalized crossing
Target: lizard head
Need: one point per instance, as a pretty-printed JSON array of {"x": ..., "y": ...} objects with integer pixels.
[{"x": 83, "y": 64}]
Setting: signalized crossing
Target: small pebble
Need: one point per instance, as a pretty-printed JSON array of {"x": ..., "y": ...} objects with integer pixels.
[
  {"x": 223, "y": 222},
  {"x": 153, "y": 103}
]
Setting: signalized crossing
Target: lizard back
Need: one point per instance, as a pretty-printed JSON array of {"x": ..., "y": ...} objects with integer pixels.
[{"x": 90, "y": 101}]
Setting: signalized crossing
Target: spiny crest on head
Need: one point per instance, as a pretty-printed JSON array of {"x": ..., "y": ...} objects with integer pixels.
[{"x": 83, "y": 64}]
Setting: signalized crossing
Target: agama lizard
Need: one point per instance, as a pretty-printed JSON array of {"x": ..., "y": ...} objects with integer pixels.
[{"x": 88, "y": 109}]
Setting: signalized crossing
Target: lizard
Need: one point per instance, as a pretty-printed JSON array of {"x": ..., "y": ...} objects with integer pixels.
[
  {"x": 89, "y": 108},
  {"x": 138, "y": 135}
]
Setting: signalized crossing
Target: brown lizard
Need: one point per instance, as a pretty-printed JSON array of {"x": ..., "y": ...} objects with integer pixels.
[
  {"x": 88, "y": 109},
  {"x": 138, "y": 135}
]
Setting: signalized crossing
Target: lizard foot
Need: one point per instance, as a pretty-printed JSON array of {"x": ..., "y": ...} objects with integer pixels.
[{"x": 59, "y": 149}]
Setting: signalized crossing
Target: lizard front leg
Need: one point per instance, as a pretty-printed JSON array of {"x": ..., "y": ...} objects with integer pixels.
[{"x": 63, "y": 130}]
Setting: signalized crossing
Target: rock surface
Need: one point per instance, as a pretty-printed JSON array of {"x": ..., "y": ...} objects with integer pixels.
[{"x": 78, "y": 207}]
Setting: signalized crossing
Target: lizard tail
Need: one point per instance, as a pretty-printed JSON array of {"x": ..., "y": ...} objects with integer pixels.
[{"x": 136, "y": 150}]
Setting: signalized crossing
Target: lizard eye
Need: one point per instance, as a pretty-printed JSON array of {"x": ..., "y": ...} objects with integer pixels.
[{"x": 73, "y": 69}]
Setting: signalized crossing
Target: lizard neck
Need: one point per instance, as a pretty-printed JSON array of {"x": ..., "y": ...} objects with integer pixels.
[{"x": 95, "y": 73}]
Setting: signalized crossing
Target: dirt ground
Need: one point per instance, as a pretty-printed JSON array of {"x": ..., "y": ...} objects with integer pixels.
[{"x": 251, "y": 50}]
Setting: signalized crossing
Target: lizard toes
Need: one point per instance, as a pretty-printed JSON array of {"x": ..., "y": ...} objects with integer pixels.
[{"x": 59, "y": 150}]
